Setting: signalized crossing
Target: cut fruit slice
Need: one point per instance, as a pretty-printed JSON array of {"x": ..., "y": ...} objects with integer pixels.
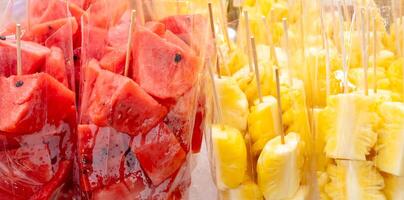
[
  {"x": 279, "y": 167},
  {"x": 31, "y": 101},
  {"x": 55, "y": 65},
  {"x": 394, "y": 187},
  {"x": 114, "y": 100},
  {"x": 163, "y": 69},
  {"x": 247, "y": 190},
  {"x": 114, "y": 61},
  {"x": 103, "y": 157},
  {"x": 40, "y": 32},
  {"x": 263, "y": 122},
  {"x": 349, "y": 122},
  {"x": 301, "y": 194},
  {"x": 357, "y": 180},
  {"x": 230, "y": 156},
  {"x": 180, "y": 118},
  {"x": 156, "y": 27},
  {"x": 233, "y": 102},
  {"x": 390, "y": 144},
  {"x": 33, "y": 57},
  {"x": 159, "y": 153}
]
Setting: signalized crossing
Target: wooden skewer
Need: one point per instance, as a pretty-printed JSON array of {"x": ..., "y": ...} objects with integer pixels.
[
  {"x": 18, "y": 38},
  {"x": 364, "y": 52},
  {"x": 224, "y": 24},
  {"x": 278, "y": 96},
  {"x": 302, "y": 29},
  {"x": 285, "y": 29},
  {"x": 215, "y": 96},
  {"x": 343, "y": 51},
  {"x": 247, "y": 31},
  {"x": 374, "y": 56},
  {"x": 257, "y": 73},
  {"x": 273, "y": 51},
  {"x": 327, "y": 55},
  {"x": 218, "y": 66},
  {"x": 212, "y": 27},
  {"x": 129, "y": 44}
]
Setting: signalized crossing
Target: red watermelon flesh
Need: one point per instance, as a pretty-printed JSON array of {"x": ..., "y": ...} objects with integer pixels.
[
  {"x": 55, "y": 65},
  {"x": 156, "y": 27},
  {"x": 46, "y": 10},
  {"x": 105, "y": 159},
  {"x": 114, "y": 61},
  {"x": 159, "y": 153},
  {"x": 161, "y": 68},
  {"x": 119, "y": 102},
  {"x": 40, "y": 32},
  {"x": 33, "y": 57},
  {"x": 31, "y": 101},
  {"x": 180, "y": 119},
  {"x": 172, "y": 38},
  {"x": 95, "y": 42}
]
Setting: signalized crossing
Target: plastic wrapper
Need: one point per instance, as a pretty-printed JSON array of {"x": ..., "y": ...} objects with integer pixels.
[
  {"x": 38, "y": 109},
  {"x": 136, "y": 133}
]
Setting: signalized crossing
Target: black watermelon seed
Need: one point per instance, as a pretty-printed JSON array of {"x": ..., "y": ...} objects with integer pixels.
[
  {"x": 3, "y": 38},
  {"x": 177, "y": 58},
  {"x": 19, "y": 83}
]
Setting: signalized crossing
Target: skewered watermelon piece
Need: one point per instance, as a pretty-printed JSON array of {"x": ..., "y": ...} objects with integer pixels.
[
  {"x": 33, "y": 57},
  {"x": 31, "y": 101},
  {"x": 117, "y": 101},
  {"x": 161, "y": 68},
  {"x": 114, "y": 61}
]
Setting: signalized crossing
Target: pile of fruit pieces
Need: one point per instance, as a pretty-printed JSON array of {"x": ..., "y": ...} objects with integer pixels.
[
  {"x": 73, "y": 126},
  {"x": 344, "y": 133}
]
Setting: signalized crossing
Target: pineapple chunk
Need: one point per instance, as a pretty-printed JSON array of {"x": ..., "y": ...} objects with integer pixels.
[
  {"x": 236, "y": 61},
  {"x": 248, "y": 84},
  {"x": 301, "y": 194},
  {"x": 233, "y": 102},
  {"x": 394, "y": 189},
  {"x": 354, "y": 180},
  {"x": 390, "y": 145},
  {"x": 349, "y": 122},
  {"x": 384, "y": 59},
  {"x": 322, "y": 180},
  {"x": 395, "y": 74},
  {"x": 247, "y": 190},
  {"x": 319, "y": 141},
  {"x": 279, "y": 168},
  {"x": 230, "y": 156},
  {"x": 263, "y": 123},
  {"x": 356, "y": 76}
]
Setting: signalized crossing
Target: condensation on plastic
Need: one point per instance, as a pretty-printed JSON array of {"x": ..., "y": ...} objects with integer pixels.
[
  {"x": 38, "y": 112},
  {"x": 152, "y": 160}
]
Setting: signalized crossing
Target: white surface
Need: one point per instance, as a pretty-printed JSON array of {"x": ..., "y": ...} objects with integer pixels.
[{"x": 202, "y": 187}]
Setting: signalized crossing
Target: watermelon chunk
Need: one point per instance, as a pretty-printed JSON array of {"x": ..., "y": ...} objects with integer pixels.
[
  {"x": 40, "y": 32},
  {"x": 114, "y": 61},
  {"x": 31, "y": 101},
  {"x": 55, "y": 65},
  {"x": 174, "y": 39},
  {"x": 117, "y": 101},
  {"x": 156, "y": 27},
  {"x": 159, "y": 153},
  {"x": 161, "y": 68},
  {"x": 33, "y": 57},
  {"x": 180, "y": 119}
]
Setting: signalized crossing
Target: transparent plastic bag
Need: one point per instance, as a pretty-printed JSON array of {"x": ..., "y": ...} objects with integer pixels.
[
  {"x": 38, "y": 123},
  {"x": 135, "y": 132}
]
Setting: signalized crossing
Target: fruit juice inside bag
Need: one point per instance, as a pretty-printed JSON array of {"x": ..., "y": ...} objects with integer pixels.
[
  {"x": 38, "y": 123},
  {"x": 135, "y": 137}
]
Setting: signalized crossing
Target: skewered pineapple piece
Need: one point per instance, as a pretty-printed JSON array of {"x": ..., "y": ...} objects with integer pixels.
[
  {"x": 390, "y": 144},
  {"x": 394, "y": 187},
  {"x": 279, "y": 167},
  {"x": 230, "y": 154},
  {"x": 247, "y": 190},
  {"x": 356, "y": 76},
  {"x": 322, "y": 180},
  {"x": 233, "y": 102},
  {"x": 349, "y": 122},
  {"x": 301, "y": 194},
  {"x": 246, "y": 81},
  {"x": 354, "y": 180},
  {"x": 395, "y": 75},
  {"x": 263, "y": 123}
]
